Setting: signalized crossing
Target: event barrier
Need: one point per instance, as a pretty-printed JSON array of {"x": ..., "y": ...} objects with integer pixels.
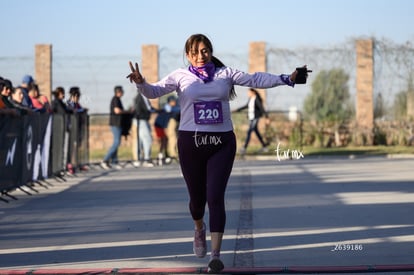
[{"x": 39, "y": 146}]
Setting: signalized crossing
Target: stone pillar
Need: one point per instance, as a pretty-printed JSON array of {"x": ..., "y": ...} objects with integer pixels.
[
  {"x": 364, "y": 91},
  {"x": 149, "y": 67},
  {"x": 258, "y": 62},
  {"x": 43, "y": 68}
]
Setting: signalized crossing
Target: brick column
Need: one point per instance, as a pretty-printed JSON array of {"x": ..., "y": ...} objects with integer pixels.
[
  {"x": 258, "y": 62},
  {"x": 149, "y": 66},
  {"x": 364, "y": 90},
  {"x": 43, "y": 68}
]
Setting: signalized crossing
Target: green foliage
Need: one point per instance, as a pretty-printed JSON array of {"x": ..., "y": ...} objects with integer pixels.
[
  {"x": 380, "y": 108},
  {"x": 400, "y": 105},
  {"x": 330, "y": 98}
]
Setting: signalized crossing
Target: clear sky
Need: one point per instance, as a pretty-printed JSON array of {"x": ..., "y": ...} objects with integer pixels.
[
  {"x": 101, "y": 30},
  {"x": 107, "y": 27}
]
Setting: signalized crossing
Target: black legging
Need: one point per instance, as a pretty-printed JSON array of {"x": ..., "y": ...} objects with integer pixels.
[{"x": 206, "y": 162}]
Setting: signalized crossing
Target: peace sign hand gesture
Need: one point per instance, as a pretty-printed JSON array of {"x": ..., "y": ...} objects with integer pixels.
[{"x": 135, "y": 75}]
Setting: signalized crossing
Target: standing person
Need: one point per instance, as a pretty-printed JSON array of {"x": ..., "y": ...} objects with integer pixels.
[
  {"x": 58, "y": 104},
  {"x": 27, "y": 84},
  {"x": 61, "y": 110},
  {"x": 73, "y": 101},
  {"x": 79, "y": 122},
  {"x": 171, "y": 131},
  {"x": 255, "y": 111},
  {"x": 39, "y": 102},
  {"x": 16, "y": 98},
  {"x": 142, "y": 111},
  {"x": 160, "y": 124},
  {"x": 206, "y": 141},
  {"x": 115, "y": 121},
  {"x": 6, "y": 87}
]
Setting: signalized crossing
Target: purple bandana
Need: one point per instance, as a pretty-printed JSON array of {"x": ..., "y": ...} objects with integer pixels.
[{"x": 205, "y": 73}]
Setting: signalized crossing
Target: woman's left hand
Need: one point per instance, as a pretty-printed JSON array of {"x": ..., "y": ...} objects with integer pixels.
[
  {"x": 295, "y": 73},
  {"x": 293, "y": 76}
]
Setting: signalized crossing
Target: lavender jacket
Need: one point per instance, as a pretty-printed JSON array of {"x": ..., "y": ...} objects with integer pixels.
[{"x": 192, "y": 90}]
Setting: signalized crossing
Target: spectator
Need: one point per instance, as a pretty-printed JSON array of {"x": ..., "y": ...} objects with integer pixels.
[
  {"x": 27, "y": 83},
  {"x": 74, "y": 105},
  {"x": 172, "y": 131},
  {"x": 59, "y": 108},
  {"x": 115, "y": 121},
  {"x": 161, "y": 124},
  {"x": 16, "y": 98},
  {"x": 142, "y": 111},
  {"x": 73, "y": 101},
  {"x": 39, "y": 102},
  {"x": 58, "y": 105},
  {"x": 6, "y": 107}
]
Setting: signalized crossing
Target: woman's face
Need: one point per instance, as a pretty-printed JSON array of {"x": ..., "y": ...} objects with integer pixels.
[
  {"x": 75, "y": 98},
  {"x": 34, "y": 93},
  {"x": 17, "y": 95},
  {"x": 199, "y": 55}
]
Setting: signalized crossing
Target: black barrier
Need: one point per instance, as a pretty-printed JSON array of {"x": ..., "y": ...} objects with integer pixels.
[
  {"x": 83, "y": 139},
  {"x": 36, "y": 147},
  {"x": 57, "y": 165},
  {"x": 10, "y": 152}
]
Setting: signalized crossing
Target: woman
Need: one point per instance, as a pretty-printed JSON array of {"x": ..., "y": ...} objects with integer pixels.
[
  {"x": 73, "y": 101},
  {"x": 255, "y": 111},
  {"x": 39, "y": 102},
  {"x": 206, "y": 141},
  {"x": 16, "y": 99}
]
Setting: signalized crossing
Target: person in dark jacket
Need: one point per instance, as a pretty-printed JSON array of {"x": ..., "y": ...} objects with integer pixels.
[
  {"x": 6, "y": 107},
  {"x": 255, "y": 111},
  {"x": 143, "y": 110},
  {"x": 58, "y": 104},
  {"x": 62, "y": 112}
]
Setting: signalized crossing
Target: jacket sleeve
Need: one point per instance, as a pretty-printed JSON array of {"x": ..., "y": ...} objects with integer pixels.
[
  {"x": 259, "y": 80},
  {"x": 165, "y": 86}
]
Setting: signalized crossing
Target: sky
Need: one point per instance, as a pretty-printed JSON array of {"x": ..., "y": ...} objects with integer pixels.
[{"x": 120, "y": 27}]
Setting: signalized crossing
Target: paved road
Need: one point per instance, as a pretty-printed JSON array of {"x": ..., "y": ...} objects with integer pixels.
[{"x": 307, "y": 212}]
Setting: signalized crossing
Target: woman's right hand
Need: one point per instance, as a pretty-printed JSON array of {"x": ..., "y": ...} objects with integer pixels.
[{"x": 135, "y": 75}]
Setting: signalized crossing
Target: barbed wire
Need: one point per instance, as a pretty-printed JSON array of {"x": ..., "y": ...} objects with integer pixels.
[{"x": 97, "y": 75}]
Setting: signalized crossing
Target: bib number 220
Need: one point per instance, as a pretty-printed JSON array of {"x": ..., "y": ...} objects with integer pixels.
[{"x": 209, "y": 112}]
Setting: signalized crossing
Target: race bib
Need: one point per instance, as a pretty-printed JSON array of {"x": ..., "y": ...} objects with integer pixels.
[{"x": 208, "y": 112}]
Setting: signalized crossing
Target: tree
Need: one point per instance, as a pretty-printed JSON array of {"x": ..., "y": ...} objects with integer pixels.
[
  {"x": 330, "y": 98},
  {"x": 380, "y": 109},
  {"x": 400, "y": 105}
]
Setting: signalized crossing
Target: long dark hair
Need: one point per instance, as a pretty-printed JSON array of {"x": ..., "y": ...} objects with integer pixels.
[
  {"x": 257, "y": 94},
  {"x": 196, "y": 39}
]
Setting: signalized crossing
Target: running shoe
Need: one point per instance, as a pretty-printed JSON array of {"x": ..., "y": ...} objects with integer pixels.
[
  {"x": 215, "y": 265},
  {"x": 200, "y": 244}
]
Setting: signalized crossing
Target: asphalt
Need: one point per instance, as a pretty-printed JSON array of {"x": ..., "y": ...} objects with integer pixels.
[{"x": 306, "y": 215}]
